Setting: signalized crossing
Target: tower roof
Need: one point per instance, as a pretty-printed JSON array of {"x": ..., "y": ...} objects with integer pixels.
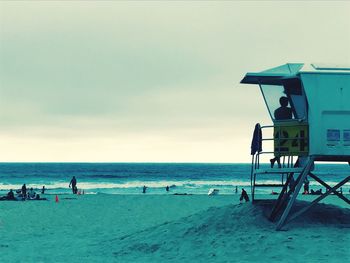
[{"x": 280, "y": 74}]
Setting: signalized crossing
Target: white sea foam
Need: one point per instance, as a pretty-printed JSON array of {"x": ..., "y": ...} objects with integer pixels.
[
  {"x": 185, "y": 184},
  {"x": 130, "y": 184}
]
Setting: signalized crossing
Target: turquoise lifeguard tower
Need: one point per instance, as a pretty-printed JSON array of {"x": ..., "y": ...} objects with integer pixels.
[{"x": 309, "y": 105}]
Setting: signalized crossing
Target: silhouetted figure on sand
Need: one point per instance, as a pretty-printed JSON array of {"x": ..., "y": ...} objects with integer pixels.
[
  {"x": 317, "y": 192},
  {"x": 244, "y": 196},
  {"x": 31, "y": 193},
  {"x": 73, "y": 183},
  {"x": 24, "y": 191},
  {"x": 10, "y": 196}
]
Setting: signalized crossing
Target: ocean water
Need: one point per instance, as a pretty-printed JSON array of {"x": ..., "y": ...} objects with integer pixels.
[{"x": 129, "y": 178}]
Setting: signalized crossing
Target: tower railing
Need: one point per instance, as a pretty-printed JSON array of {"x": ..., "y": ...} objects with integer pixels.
[{"x": 290, "y": 141}]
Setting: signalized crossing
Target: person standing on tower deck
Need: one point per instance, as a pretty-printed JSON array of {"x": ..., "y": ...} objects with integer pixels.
[
  {"x": 73, "y": 183},
  {"x": 282, "y": 113}
]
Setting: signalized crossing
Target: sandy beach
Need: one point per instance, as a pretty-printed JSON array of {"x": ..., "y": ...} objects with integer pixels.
[{"x": 167, "y": 228}]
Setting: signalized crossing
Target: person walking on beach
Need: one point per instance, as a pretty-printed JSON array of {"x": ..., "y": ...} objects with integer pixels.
[
  {"x": 73, "y": 183},
  {"x": 244, "y": 196},
  {"x": 24, "y": 191}
]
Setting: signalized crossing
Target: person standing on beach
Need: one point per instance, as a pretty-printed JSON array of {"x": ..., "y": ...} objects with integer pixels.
[
  {"x": 24, "y": 191},
  {"x": 73, "y": 183}
]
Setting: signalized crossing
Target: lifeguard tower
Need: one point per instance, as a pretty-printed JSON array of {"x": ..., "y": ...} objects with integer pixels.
[{"x": 309, "y": 105}]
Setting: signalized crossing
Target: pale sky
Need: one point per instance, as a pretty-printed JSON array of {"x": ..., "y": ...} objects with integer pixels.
[{"x": 138, "y": 81}]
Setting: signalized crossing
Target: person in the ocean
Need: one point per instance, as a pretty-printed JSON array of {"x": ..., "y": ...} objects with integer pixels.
[
  {"x": 244, "y": 196},
  {"x": 24, "y": 191},
  {"x": 236, "y": 190},
  {"x": 73, "y": 183},
  {"x": 43, "y": 190},
  {"x": 282, "y": 113},
  {"x": 144, "y": 188},
  {"x": 167, "y": 188}
]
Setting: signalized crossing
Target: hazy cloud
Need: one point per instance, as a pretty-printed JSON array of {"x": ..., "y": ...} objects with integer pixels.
[{"x": 130, "y": 71}]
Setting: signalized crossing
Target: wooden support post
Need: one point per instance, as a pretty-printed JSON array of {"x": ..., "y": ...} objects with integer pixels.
[
  {"x": 251, "y": 177},
  {"x": 253, "y": 189},
  {"x": 301, "y": 180},
  {"x": 281, "y": 199},
  {"x": 328, "y": 187},
  {"x": 333, "y": 189}
]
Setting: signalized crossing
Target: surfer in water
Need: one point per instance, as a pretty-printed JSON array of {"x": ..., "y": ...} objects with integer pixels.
[
  {"x": 73, "y": 183},
  {"x": 144, "y": 188}
]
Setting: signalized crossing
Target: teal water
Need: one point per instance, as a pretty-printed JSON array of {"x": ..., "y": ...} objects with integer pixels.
[{"x": 129, "y": 178}]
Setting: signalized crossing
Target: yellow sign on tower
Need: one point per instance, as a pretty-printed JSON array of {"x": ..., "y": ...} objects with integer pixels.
[{"x": 291, "y": 138}]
